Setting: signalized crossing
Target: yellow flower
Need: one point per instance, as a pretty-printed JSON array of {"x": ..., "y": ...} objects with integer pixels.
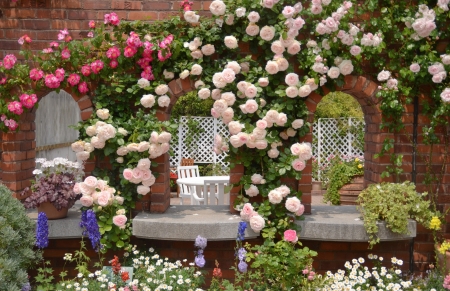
[
  {"x": 435, "y": 223},
  {"x": 359, "y": 166},
  {"x": 356, "y": 160},
  {"x": 445, "y": 246}
]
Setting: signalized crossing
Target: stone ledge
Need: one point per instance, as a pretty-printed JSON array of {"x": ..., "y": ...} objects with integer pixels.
[
  {"x": 185, "y": 222},
  {"x": 343, "y": 223}
]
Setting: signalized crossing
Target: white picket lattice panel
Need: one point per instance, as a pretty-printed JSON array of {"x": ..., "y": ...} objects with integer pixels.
[
  {"x": 201, "y": 147},
  {"x": 336, "y": 137}
]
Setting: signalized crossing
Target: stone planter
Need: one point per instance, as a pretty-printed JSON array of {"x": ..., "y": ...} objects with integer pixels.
[
  {"x": 349, "y": 192},
  {"x": 316, "y": 185}
]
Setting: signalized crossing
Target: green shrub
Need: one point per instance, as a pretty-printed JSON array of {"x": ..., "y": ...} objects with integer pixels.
[{"x": 16, "y": 242}]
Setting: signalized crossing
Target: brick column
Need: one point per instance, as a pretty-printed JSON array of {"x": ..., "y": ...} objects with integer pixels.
[{"x": 18, "y": 154}]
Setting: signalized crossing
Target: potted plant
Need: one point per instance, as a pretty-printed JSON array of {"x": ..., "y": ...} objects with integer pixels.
[
  {"x": 52, "y": 190},
  {"x": 340, "y": 173},
  {"x": 394, "y": 203}
]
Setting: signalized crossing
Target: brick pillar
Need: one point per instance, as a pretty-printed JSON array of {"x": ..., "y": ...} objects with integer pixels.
[
  {"x": 18, "y": 154},
  {"x": 236, "y": 175},
  {"x": 160, "y": 191}
]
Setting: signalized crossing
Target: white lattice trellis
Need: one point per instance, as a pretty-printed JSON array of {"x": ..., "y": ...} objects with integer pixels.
[
  {"x": 201, "y": 147},
  {"x": 336, "y": 137}
]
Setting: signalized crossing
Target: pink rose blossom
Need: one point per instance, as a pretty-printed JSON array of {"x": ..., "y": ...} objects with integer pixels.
[
  {"x": 86, "y": 201},
  {"x": 256, "y": 178},
  {"x": 257, "y": 223},
  {"x": 36, "y": 74},
  {"x": 28, "y": 100},
  {"x": 290, "y": 235},
  {"x": 65, "y": 54},
  {"x": 9, "y": 61},
  {"x": 129, "y": 51},
  {"x": 103, "y": 198},
  {"x": 83, "y": 88},
  {"x": 11, "y": 124},
  {"x": 76, "y": 188},
  {"x": 445, "y": 95},
  {"x": 60, "y": 74},
  {"x": 86, "y": 70},
  {"x": 120, "y": 220},
  {"x": 51, "y": 81},
  {"x": 96, "y": 66},
  {"x": 113, "y": 53},
  {"x": 143, "y": 190},
  {"x": 73, "y": 79},
  {"x": 293, "y": 204},
  {"x": 91, "y": 181},
  {"x": 415, "y": 68},
  {"x": 15, "y": 107},
  {"x": 113, "y": 64},
  {"x": 247, "y": 212},
  {"x": 355, "y": 50},
  {"x": 298, "y": 165},
  {"x": 300, "y": 210}
]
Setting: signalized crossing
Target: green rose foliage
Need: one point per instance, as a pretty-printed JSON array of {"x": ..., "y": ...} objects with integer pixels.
[
  {"x": 16, "y": 242},
  {"x": 394, "y": 203}
]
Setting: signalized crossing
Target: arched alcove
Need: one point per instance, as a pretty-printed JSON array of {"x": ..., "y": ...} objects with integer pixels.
[{"x": 54, "y": 116}]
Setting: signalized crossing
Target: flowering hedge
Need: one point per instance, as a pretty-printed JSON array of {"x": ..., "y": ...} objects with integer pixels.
[{"x": 295, "y": 50}]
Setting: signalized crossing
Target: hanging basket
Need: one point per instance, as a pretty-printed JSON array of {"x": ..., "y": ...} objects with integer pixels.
[{"x": 51, "y": 211}]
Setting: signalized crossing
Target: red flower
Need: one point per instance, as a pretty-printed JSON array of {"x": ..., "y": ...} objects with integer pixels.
[
  {"x": 173, "y": 175},
  {"x": 125, "y": 276}
]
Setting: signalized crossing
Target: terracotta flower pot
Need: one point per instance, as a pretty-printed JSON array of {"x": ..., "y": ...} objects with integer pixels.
[{"x": 51, "y": 211}]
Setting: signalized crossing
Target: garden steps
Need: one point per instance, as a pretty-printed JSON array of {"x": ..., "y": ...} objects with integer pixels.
[{"x": 349, "y": 192}]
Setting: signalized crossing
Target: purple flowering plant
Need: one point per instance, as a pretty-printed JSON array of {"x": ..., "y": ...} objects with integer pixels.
[{"x": 54, "y": 182}]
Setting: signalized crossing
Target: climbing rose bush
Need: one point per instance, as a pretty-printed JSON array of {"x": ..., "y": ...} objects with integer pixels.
[{"x": 260, "y": 93}]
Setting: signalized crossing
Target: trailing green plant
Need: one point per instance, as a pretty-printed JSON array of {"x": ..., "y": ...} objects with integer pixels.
[
  {"x": 340, "y": 173},
  {"x": 16, "y": 242},
  {"x": 395, "y": 203}
]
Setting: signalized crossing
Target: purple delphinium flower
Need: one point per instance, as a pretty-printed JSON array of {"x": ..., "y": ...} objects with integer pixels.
[
  {"x": 200, "y": 261},
  {"x": 90, "y": 228},
  {"x": 241, "y": 231},
  {"x": 26, "y": 287},
  {"x": 241, "y": 254},
  {"x": 42, "y": 231},
  {"x": 242, "y": 266},
  {"x": 200, "y": 242}
]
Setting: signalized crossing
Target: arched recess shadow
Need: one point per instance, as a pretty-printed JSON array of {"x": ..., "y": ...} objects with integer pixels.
[{"x": 364, "y": 91}]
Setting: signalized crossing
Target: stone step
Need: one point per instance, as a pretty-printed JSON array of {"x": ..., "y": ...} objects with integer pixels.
[
  {"x": 318, "y": 192},
  {"x": 352, "y": 186},
  {"x": 349, "y": 193}
]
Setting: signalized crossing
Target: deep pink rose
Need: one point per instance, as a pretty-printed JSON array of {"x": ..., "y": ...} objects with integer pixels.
[
  {"x": 86, "y": 70},
  {"x": 96, "y": 66},
  {"x": 65, "y": 54},
  {"x": 113, "y": 64},
  {"x": 120, "y": 220},
  {"x": 15, "y": 107},
  {"x": 92, "y": 24},
  {"x": 290, "y": 235},
  {"x": 36, "y": 74},
  {"x": 73, "y": 79},
  {"x": 60, "y": 74},
  {"x": 9, "y": 61},
  {"x": 51, "y": 81},
  {"x": 113, "y": 53},
  {"x": 83, "y": 88}
]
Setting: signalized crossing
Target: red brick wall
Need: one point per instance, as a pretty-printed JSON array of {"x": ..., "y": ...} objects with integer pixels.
[
  {"x": 42, "y": 20},
  {"x": 331, "y": 255}
]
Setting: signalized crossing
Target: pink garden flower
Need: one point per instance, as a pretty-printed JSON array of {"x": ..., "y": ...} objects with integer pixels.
[
  {"x": 15, "y": 107},
  {"x": 120, "y": 221},
  {"x": 133, "y": 40},
  {"x": 96, "y": 66},
  {"x": 65, "y": 54},
  {"x": 298, "y": 165},
  {"x": 129, "y": 51},
  {"x": 51, "y": 81},
  {"x": 113, "y": 53},
  {"x": 73, "y": 79},
  {"x": 28, "y": 100},
  {"x": 92, "y": 24},
  {"x": 113, "y": 64},
  {"x": 112, "y": 18},
  {"x": 9, "y": 61},
  {"x": 83, "y": 88},
  {"x": 86, "y": 70},
  {"x": 36, "y": 74},
  {"x": 290, "y": 235},
  {"x": 60, "y": 74},
  {"x": 11, "y": 124}
]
